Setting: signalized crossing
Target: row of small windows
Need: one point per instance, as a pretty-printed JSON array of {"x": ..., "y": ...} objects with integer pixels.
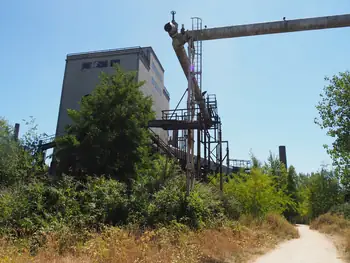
[
  {"x": 99, "y": 64},
  {"x": 156, "y": 71},
  {"x": 155, "y": 85},
  {"x": 159, "y": 90},
  {"x": 166, "y": 94},
  {"x": 104, "y": 64}
]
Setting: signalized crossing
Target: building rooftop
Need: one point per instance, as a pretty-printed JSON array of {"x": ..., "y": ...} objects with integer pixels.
[{"x": 110, "y": 52}]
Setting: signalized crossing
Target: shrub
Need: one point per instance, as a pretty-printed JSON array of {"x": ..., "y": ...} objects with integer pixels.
[
  {"x": 232, "y": 208},
  {"x": 25, "y": 209},
  {"x": 22, "y": 209},
  {"x": 329, "y": 223},
  {"x": 257, "y": 193},
  {"x": 104, "y": 200},
  {"x": 203, "y": 206},
  {"x": 280, "y": 226},
  {"x": 153, "y": 175},
  {"x": 168, "y": 203}
]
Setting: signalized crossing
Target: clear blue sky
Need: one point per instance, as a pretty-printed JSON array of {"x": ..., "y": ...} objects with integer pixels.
[{"x": 266, "y": 86}]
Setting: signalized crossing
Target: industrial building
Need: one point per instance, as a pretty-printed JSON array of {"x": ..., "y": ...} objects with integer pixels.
[{"x": 82, "y": 75}]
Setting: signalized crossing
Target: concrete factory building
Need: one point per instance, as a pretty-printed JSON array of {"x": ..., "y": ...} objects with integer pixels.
[{"x": 82, "y": 75}]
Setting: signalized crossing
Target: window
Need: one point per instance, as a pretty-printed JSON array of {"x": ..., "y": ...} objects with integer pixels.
[
  {"x": 155, "y": 85},
  {"x": 166, "y": 94},
  {"x": 100, "y": 64},
  {"x": 114, "y": 61},
  {"x": 86, "y": 65},
  {"x": 156, "y": 71}
]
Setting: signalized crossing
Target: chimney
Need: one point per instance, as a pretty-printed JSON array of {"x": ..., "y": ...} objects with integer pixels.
[{"x": 283, "y": 155}]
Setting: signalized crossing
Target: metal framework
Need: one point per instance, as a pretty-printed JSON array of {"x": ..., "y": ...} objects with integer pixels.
[
  {"x": 204, "y": 118},
  {"x": 201, "y": 113}
]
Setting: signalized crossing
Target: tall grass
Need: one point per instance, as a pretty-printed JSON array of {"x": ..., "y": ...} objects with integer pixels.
[
  {"x": 337, "y": 225},
  {"x": 238, "y": 240}
]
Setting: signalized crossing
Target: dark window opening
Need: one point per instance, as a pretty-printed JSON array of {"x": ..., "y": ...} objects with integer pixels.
[
  {"x": 114, "y": 62},
  {"x": 166, "y": 94},
  {"x": 100, "y": 64},
  {"x": 86, "y": 65}
]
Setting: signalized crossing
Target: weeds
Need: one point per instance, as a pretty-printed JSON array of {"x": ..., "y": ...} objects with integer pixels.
[
  {"x": 337, "y": 226},
  {"x": 174, "y": 243}
]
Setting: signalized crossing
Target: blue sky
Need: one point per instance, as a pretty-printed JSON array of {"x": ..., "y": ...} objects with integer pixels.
[{"x": 267, "y": 86}]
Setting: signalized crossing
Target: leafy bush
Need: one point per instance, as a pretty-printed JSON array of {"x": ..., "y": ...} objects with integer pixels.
[
  {"x": 257, "y": 193},
  {"x": 204, "y": 206},
  {"x": 232, "y": 208},
  {"x": 25, "y": 209},
  {"x": 325, "y": 192},
  {"x": 152, "y": 175},
  {"x": 200, "y": 208},
  {"x": 104, "y": 200},
  {"x": 20, "y": 160},
  {"x": 168, "y": 203}
]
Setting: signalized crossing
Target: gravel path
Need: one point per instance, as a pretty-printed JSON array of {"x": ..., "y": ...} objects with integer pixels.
[{"x": 311, "y": 247}]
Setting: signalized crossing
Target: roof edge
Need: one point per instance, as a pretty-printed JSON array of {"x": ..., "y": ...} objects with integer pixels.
[{"x": 154, "y": 53}]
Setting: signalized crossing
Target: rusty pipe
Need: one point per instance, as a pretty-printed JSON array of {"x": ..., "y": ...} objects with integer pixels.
[
  {"x": 178, "y": 44},
  {"x": 185, "y": 64},
  {"x": 284, "y": 26},
  {"x": 276, "y": 27}
]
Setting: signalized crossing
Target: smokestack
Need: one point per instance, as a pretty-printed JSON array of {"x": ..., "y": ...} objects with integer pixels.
[
  {"x": 16, "y": 131},
  {"x": 283, "y": 155}
]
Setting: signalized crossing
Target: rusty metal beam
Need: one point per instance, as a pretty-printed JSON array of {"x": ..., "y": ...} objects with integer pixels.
[
  {"x": 185, "y": 64},
  {"x": 175, "y": 125},
  {"x": 276, "y": 27},
  {"x": 284, "y": 26}
]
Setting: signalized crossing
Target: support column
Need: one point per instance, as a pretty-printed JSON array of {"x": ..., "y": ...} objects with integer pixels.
[
  {"x": 220, "y": 156},
  {"x": 199, "y": 146},
  {"x": 228, "y": 172}
]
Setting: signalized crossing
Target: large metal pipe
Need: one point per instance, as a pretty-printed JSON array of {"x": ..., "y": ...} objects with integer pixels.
[
  {"x": 241, "y": 31},
  {"x": 283, "y": 26},
  {"x": 185, "y": 64}
]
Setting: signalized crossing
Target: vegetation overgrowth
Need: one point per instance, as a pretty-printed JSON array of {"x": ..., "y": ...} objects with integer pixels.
[
  {"x": 336, "y": 225},
  {"x": 113, "y": 199}
]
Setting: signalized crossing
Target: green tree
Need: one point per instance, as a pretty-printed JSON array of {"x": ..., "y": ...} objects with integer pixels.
[
  {"x": 19, "y": 160},
  {"x": 334, "y": 116},
  {"x": 325, "y": 192},
  {"x": 109, "y": 134},
  {"x": 255, "y": 161},
  {"x": 257, "y": 193},
  {"x": 276, "y": 169},
  {"x": 291, "y": 191}
]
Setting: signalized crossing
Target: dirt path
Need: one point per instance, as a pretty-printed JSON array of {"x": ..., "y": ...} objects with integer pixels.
[{"x": 311, "y": 247}]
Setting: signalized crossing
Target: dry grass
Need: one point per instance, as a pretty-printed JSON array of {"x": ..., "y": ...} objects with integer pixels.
[
  {"x": 338, "y": 227},
  {"x": 234, "y": 242},
  {"x": 330, "y": 224}
]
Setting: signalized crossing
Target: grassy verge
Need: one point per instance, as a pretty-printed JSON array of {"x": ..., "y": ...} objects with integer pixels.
[
  {"x": 338, "y": 227},
  {"x": 176, "y": 243}
]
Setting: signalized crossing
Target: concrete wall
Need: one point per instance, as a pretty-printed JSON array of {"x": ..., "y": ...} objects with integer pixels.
[
  {"x": 79, "y": 82},
  {"x": 154, "y": 86}
]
